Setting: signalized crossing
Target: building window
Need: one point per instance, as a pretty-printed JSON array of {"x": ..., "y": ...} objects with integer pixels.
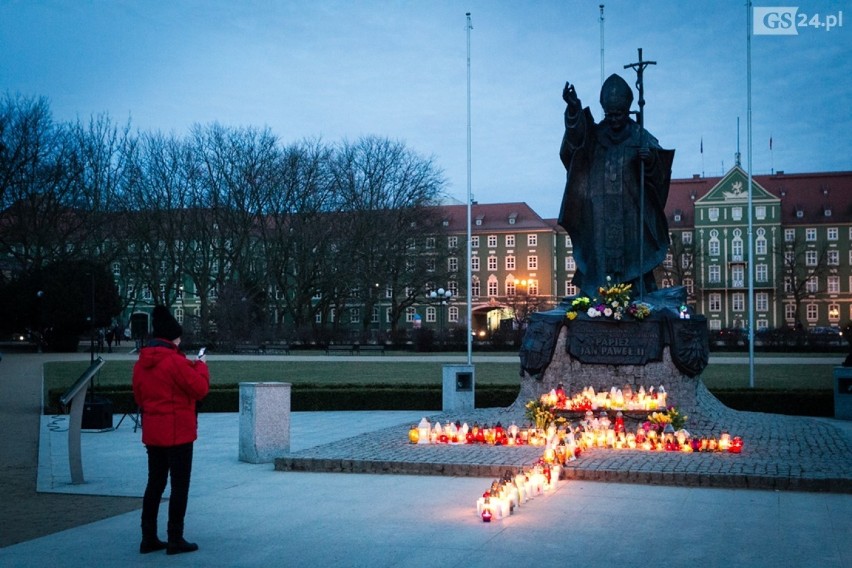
[
  {"x": 492, "y": 286},
  {"x": 832, "y": 233},
  {"x": 453, "y": 287},
  {"x": 431, "y": 314},
  {"x": 761, "y": 273},
  {"x": 492, "y": 263},
  {"x": 410, "y": 314},
  {"x": 714, "y": 274},
  {"x": 789, "y": 235},
  {"x": 810, "y": 258},
  {"x": 492, "y": 241},
  {"x": 532, "y": 240},
  {"x": 685, "y": 260},
  {"x": 453, "y": 314},
  {"x": 510, "y": 241},
  {"x": 812, "y": 285},
  {"x": 833, "y": 258},
  {"x": 532, "y": 262},
  {"x": 668, "y": 261},
  {"x": 570, "y": 289},
  {"x": 452, "y": 242},
  {"x": 713, "y": 247},
  {"x": 760, "y": 212},
  {"x": 374, "y": 317},
  {"x": 812, "y": 312},
  {"x": 833, "y": 312},
  {"x": 761, "y": 302},
  {"x": 832, "y": 285},
  {"x": 474, "y": 263},
  {"x": 532, "y": 287},
  {"x": 762, "y": 324},
  {"x": 430, "y": 265},
  {"x": 568, "y": 243},
  {"x": 738, "y": 276},
  {"x": 388, "y": 315},
  {"x": 430, "y": 242},
  {"x": 510, "y": 287},
  {"x": 474, "y": 241},
  {"x": 510, "y": 263},
  {"x": 570, "y": 265},
  {"x": 737, "y": 213},
  {"x": 318, "y": 317},
  {"x": 790, "y": 312},
  {"x": 689, "y": 284},
  {"x": 453, "y": 264},
  {"x": 810, "y": 234},
  {"x": 714, "y": 324},
  {"x": 474, "y": 288},
  {"x": 760, "y": 245},
  {"x": 738, "y": 302},
  {"x": 715, "y": 302},
  {"x": 737, "y": 248},
  {"x": 686, "y": 237},
  {"x": 713, "y": 213}
]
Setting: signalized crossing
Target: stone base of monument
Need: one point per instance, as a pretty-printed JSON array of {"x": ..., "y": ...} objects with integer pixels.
[{"x": 603, "y": 354}]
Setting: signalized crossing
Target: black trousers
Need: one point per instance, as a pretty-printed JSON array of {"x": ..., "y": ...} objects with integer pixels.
[{"x": 174, "y": 461}]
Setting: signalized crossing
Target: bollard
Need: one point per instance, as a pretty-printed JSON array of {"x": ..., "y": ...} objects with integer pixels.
[{"x": 264, "y": 421}]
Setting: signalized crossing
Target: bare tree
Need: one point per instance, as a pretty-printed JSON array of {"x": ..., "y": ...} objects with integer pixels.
[
  {"x": 387, "y": 193},
  {"x": 39, "y": 169},
  {"x": 803, "y": 270}
]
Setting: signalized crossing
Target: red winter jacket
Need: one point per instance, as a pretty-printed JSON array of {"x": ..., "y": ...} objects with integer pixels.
[{"x": 166, "y": 386}]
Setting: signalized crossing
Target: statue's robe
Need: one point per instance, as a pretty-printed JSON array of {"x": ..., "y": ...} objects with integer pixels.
[{"x": 601, "y": 205}]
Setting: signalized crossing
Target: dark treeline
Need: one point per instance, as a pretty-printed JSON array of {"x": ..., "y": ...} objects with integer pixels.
[{"x": 264, "y": 235}]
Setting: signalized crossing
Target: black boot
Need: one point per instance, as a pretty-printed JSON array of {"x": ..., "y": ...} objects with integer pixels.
[
  {"x": 150, "y": 541},
  {"x": 179, "y": 546}
]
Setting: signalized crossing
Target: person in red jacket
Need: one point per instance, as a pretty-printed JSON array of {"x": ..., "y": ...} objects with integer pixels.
[{"x": 167, "y": 386}]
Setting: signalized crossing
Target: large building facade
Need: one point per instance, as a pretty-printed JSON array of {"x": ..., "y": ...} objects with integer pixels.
[{"x": 800, "y": 255}]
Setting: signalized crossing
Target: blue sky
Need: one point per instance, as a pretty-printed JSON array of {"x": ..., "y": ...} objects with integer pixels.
[{"x": 342, "y": 69}]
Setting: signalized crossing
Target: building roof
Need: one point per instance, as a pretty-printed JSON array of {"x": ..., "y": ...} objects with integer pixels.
[
  {"x": 821, "y": 197},
  {"x": 498, "y": 217}
]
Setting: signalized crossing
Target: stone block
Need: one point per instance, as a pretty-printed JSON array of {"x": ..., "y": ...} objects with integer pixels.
[{"x": 264, "y": 421}]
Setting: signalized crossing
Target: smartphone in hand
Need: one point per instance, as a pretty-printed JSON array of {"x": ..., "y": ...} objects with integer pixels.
[{"x": 202, "y": 352}]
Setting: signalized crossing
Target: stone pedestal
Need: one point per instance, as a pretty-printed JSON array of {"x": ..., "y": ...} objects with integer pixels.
[
  {"x": 264, "y": 421},
  {"x": 643, "y": 362},
  {"x": 458, "y": 387}
]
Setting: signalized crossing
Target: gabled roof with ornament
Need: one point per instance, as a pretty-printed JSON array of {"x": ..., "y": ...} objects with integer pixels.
[{"x": 805, "y": 199}]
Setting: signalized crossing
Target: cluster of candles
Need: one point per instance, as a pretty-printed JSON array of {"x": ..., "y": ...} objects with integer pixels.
[
  {"x": 507, "y": 494},
  {"x": 615, "y": 399},
  {"x": 458, "y": 433},
  {"x": 601, "y": 432}
]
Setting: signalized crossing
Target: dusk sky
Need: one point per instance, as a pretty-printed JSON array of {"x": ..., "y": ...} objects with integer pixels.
[{"x": 338, "y": 70}]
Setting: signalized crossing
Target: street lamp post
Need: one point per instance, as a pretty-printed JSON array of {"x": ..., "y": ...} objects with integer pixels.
[{"x": 441, "y": 298}]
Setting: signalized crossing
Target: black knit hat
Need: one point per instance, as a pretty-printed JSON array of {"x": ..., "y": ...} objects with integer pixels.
[{"x": 165, "y": 325}]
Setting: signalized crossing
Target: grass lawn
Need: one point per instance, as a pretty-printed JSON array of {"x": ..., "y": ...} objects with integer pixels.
[{"x": 719, "y": 376}]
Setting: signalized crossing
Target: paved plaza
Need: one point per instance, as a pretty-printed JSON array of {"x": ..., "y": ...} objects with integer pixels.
[{"x": 786, "y": 501}]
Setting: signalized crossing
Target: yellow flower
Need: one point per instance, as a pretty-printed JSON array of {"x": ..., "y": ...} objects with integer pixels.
[{"x": 571, "y": 315}]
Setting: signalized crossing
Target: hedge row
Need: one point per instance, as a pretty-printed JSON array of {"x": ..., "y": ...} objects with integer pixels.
[{"x": 311, "y": 397}]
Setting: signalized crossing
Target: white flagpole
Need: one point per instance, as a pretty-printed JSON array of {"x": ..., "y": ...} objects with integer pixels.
[
  {"x": 750, "y": 240},
  {"x": 469, "y": 199}
]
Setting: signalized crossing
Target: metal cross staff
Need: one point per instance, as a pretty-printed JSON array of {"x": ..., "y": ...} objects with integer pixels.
[{"x": 639, "y": 67}]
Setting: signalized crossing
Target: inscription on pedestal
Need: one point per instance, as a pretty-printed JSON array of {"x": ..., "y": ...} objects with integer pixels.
[{"x": 609, "y": 342}]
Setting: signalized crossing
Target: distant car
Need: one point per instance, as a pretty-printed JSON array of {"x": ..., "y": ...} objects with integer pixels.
[{"x": 823, "y": 336}]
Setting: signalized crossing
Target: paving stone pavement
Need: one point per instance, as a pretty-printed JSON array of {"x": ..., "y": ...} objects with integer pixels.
[
  {"x": 781, "y": 452},
  {"x": 794, "y": 453}
]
